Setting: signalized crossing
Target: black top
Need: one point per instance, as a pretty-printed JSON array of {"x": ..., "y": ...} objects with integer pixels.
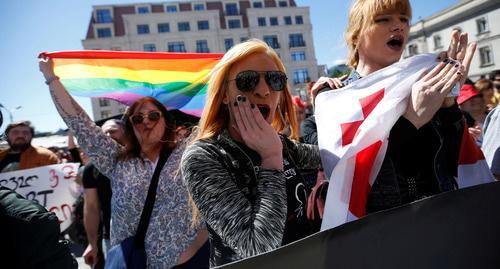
[
  {"x": 10, "y": 162},
  {"x": 93, "y": 179},
  {"x": 297, "y": 225}
]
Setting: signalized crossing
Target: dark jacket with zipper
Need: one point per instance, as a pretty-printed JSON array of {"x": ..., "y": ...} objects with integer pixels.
[
  {"x": 30, "y": 235},
  {"x": 248, "y": 210}
]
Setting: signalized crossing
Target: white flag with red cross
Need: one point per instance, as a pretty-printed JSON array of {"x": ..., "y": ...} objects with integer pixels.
[{"x": 353, "y": 127}]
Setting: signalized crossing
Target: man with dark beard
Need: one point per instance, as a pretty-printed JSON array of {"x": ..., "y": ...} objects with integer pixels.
[{"x": 21, "y": 154}]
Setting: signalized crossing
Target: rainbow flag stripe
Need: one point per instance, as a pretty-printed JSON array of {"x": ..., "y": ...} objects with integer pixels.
[{"x": 178, "y": 80}]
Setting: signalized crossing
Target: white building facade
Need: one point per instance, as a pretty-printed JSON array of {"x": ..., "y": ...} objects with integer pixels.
[
  {"x": 479, "y": 18},
  {"x": 205, "y": 26}
]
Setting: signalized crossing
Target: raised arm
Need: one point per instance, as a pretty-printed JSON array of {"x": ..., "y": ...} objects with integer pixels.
[
  {"x": 99, "y": 147},
  {"x": 65, "y": 104}
]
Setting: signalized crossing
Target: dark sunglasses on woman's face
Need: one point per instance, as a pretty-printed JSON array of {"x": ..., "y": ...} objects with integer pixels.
[
  {"x": 139, "y": 118},
  {"x": 248, "y": 80}
]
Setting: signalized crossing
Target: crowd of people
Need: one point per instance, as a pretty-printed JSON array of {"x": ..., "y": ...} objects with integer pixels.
[{"x": 240, "y": 183}]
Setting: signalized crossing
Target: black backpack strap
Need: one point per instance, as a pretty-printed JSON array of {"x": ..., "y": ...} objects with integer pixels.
[{"x": 150, "y": 201}]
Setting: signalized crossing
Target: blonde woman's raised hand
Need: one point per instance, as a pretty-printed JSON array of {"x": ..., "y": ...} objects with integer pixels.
[
  {"x": 461, "y": 51},
  {"x": 430, "y": 91}
]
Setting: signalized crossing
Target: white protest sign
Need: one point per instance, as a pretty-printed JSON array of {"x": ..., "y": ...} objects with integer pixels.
[{"x": 52, "y": 186}]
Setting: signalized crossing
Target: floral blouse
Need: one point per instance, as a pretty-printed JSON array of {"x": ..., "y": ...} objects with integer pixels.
[{"x": 170, "y": 231}]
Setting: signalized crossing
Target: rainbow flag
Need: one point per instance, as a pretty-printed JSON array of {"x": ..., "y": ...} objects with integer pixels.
[{"x": 178, "y": 80}]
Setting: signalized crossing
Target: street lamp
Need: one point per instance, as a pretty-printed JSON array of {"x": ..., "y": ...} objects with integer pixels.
[{"x": 10, "y": 111}]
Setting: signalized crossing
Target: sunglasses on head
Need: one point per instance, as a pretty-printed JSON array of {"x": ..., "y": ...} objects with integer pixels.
[
  {"x": 247, "y": 81},
  {"x": 151, "y": 115}
]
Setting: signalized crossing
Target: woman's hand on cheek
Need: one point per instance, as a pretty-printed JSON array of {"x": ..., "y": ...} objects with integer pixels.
[{"x": 257, "y": 133}]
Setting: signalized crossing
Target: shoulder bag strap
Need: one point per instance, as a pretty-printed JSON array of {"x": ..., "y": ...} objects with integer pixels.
[{"x": 150, "y": 201}]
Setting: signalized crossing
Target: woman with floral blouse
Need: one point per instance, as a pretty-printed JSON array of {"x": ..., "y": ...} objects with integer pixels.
[{"x": 170, "y": 239}]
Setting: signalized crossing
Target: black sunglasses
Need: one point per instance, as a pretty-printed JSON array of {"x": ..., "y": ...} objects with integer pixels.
[
  {"x": 139, "y": 118},
  {"x": 246, "y": 81}
]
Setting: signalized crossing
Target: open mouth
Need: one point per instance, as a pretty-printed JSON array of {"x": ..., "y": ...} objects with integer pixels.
[
  {"x": 264, "y": 110},
  {"x": 396, "y": 42}
]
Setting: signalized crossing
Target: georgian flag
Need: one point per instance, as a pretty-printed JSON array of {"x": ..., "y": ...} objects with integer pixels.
[{"x": 353, "y": 127}]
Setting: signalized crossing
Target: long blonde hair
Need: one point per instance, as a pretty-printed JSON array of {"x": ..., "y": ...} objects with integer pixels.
[
  {"x": 215, "y": 115},
  {"x": 361, "y": 17}
]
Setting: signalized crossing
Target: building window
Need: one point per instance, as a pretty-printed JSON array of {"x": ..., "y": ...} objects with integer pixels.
[
  {"x": 273, "y": 21},
  {"x": 283, "y": 3},
  {"x": 437, "y": 42},
  {"x": 296, "y": 40},
  {"x": 116, "y": 48},
  {"x": 299, "y": 20},
  {"x": 150, "y": 47},
  {"x": 234, "y": 24},
  {"x": 257, "y": 5},
  {"x": 203, "y": 25},
  {"x": 103, "y": 102},
  {"x": 300, "y": 76},
  {"x": 261, "y": 21},
  {"x": 183, "y": 26},
  {"x": 243, "y": 39},
  {"x": 176, "y": 47},
  {"x": 288, "y": 20},
  {"x": 142, "y": 29},
  {"x": 103, "y": 16},
  {"x": 163, "y": 27},
  {"x": 412, "y": 49},
  {"x": 105, "y": 114},
  {"x": 272, "y": 41},
  {"x": 228, "y": 43},
  {"x": 103, "y": 32},
  {"x": 143, "y": 10},
  {"x": 298, "y": 56},
  {"x": 202, "y": 46},
  {"x": 171, "y": 8},
  {"x": 231, "y": 9},
  {"x": 199, "y": 7},
  {"x": 482, "y": 25},
  {"x": 486, "y": 56}
]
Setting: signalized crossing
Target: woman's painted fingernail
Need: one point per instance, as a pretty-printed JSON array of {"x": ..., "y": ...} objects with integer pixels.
[
  {"x": 445, "y": 60},
  {"x": 235, "y": 103},
  {"x": 457, "y": 65},
  {"x": 243, "y": 99},
  {"x": 239, "y": 97},
  {"x": 252, "y": 106},
  {"x": 459, "y": 73}
]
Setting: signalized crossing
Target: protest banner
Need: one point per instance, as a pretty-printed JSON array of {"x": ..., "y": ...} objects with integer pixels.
[{"x": 52, "y": 186}]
